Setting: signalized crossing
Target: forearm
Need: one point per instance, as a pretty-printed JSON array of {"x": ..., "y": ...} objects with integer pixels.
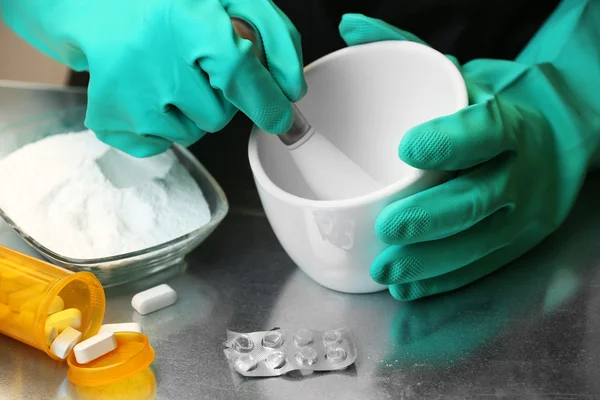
[
  {"x": 568, "y": 41},
  {"x": 18, "y": 17},
  {"x": 44, "y": 26}
]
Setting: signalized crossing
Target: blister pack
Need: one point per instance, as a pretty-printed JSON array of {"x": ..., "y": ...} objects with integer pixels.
[{"x": 279, "y": 351}]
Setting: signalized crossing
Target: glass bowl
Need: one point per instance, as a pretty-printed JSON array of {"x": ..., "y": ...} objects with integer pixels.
[{"x": 129, "y": 267}]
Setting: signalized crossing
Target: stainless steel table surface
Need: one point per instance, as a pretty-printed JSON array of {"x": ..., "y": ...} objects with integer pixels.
[{"x": 531, "y": 330}]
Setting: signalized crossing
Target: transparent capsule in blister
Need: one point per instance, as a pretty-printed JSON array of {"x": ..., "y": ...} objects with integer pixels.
[
  {"x": 336, "y": 355},
  {"x": 246, "y": 363},
  {"x": 331, "y": 338},
  {"x": 272, "y": 340},
  {"x": 303, "y": 337},
  {"x": 243, "y": 344},
  {"x": 306, "y": 355},
  {"x": 275, "y": 360}
]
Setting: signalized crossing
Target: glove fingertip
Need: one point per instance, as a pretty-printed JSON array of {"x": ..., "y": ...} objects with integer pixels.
[
  {"x": 378, "y": 271},
  {"x": 275, "y": 117},
  {"x": 425, "y": 147},
  {"x": 409, "y": 291},
  {"x": 351, "y": 19},
  {"x": 388, "y": 267},
  {"x": 402, "y": 225},
  {"x": 382, "y": 224},
  {"x": 397, "y": 292},
  {"x": 134, "y": 145},
  {"x": 356, "y": 29},
  {"x": 298, "y": 90}
]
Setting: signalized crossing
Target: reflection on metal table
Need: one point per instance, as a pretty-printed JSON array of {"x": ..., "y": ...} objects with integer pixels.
[{"x": 531, "y": 330}]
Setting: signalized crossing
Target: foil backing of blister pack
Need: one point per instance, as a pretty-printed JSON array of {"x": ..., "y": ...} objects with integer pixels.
[{"x": 279, "y": 351}]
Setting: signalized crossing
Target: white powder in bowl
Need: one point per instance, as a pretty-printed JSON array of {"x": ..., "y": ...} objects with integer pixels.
[{"x": 67, "y": 192}]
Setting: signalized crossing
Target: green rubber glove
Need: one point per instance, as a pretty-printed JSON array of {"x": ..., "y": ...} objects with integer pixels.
[
  {"x": 523, "y": 148},
  {"x": 164, "y": 72},
  {"x": 437, "y": 333}
]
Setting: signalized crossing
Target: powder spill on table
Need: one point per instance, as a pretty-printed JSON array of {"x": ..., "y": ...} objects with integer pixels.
[{"x": 58, "y": 190}]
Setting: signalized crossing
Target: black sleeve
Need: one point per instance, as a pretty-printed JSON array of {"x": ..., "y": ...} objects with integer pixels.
[{"x": 467, "y": 29}]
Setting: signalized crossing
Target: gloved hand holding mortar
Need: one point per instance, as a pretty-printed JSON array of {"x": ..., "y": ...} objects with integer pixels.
[{"x": 523, "y": 148}]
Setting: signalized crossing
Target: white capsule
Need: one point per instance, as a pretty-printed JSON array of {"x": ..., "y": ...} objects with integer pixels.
[
  {"x": 58, "y": 304},
  {"x": 4, "y": 312},
  {"x": 70, "y": 317},
  {"x": 51, "y": 334},
  {"x": 95, "y": 347},
  {"x": 154, "y": 299},
  {"x": 123, "y": 327},
  {"x": 64, "y": 343}
]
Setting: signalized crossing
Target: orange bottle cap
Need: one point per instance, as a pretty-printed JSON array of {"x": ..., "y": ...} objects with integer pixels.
[{"x": 132, "y": 355}]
